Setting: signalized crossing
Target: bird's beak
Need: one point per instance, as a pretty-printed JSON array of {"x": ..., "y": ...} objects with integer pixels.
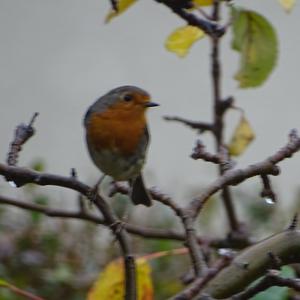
[{"x": 151, "y": 104}]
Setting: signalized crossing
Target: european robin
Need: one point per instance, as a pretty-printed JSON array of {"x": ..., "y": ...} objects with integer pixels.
[{"x": 117, "y": 137}]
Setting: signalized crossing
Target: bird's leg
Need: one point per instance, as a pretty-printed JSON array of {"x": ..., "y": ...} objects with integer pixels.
[{"x": 94, "y": 190}]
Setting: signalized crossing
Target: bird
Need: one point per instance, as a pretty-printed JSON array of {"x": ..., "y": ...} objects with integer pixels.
[{"x": 117, "y": 137}]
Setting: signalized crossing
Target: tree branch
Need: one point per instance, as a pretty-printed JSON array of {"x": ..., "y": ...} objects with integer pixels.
[
  {"x": 236, "y": 176},
  {"x": 23, "y": 133},
  {"x": 179, "y": 8},
  {"x": 201, "y": 126},
  {"x": 272, "y": 278},
  {"x": 254, "y": 261},
  {"x": 193, "y": 289},
  {"x": 191, "y": 240},
  {"x": 138, "y": 230},
  {"x": 22, "y": 176},
  {"x": 218, "y": 116}
]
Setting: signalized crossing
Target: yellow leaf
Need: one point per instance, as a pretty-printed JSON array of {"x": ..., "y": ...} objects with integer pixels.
[
  {"x": 287, "y": 4},
  {"x": 182, "y": 39},
  {"x": 110, "y": 284},
  {"x": 202, "y": 2},
  {"x": 122, "y": 6},
  {"x": 242, "y": 137}
]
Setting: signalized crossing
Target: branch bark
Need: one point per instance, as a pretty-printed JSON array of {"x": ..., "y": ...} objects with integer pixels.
[
  {"x": 271, "y": 279},
  {"x": 236, "y": 176},
  {"x": 253, "y": 262}
]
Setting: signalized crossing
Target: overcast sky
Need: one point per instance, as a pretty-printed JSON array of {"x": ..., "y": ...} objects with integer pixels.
[{"x": 58, "y": 56}]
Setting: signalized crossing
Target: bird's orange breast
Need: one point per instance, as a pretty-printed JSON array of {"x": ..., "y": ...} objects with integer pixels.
[{"x": 116, "y": 129}]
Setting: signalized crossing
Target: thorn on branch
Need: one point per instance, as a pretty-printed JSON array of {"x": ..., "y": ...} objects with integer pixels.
[
  {"x": 73, "y": 173},
  {"x": 201, "y": 126},
  {"x": 294, "y": 223},
  {"x": 23, "y": 133}
]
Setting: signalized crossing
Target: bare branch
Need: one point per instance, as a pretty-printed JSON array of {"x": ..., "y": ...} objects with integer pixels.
[
  {"x": 199, "y": 152},
  {"x": 236, "y": 176},
  {"x": 254, "y": 262},
  {"x": 191, "y": 240},
  {"x": 23, "y": 176},
  {"x": 201, "y": 126},
  {"x": 138, "y": 230},
  {"x": 23, "y": 133},
  {"x": 179, "y": 8},
  {"x": 192, "y": 290},
  {"x": 272, "y": 278}
]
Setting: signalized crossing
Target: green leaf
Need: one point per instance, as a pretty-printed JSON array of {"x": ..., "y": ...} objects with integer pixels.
[
  {"x": 256, "y": 40},
  {"x": 276, "y": 292}
]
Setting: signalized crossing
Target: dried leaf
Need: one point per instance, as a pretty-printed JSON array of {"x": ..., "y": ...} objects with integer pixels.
[
  {"x": 256, "y": 40},
  {"x": 242, "y": 137},
  {"x": 110, "y": 284},
  {"x": 182, "y": 39},
  {"x": 287, "y": 4},
  {"x": 122, "y": 6}
]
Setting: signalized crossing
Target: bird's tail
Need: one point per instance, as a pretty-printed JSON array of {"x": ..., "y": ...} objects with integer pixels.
[{"x": 139, "y": 193}]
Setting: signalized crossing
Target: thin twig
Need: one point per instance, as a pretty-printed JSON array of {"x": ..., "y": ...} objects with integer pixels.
[
  {"x": 199, "y": 152},
  {"x": 179, "y": 8},
  {"x": 271, "y": 279},
  {"x": 201, "y": 126},
  {"x": 23, "y": 293},
  {"x": 23, "y": 133},
  {"x": 193, "y": 289},
  {"x": 197, "y": 257},
  {"x": 218, "y": 116},
  {"x": 23, "y": 176},
  {"x": 236, "y": 176},
  {"x": 191, "y": 240},
  {"x": 138, "y": 230}
]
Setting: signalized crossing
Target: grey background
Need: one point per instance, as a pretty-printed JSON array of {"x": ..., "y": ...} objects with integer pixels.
[{"x": 57, "y": 57}]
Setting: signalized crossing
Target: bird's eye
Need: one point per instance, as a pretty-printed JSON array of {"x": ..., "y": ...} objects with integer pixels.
[{"x": 127, "y": 97}]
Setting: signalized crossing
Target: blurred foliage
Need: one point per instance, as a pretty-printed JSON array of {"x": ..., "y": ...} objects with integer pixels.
[
  {"x": 47, "y": 256},
  {"x": 46, "y": 261},
  {"x": 65, "y": 257}
]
